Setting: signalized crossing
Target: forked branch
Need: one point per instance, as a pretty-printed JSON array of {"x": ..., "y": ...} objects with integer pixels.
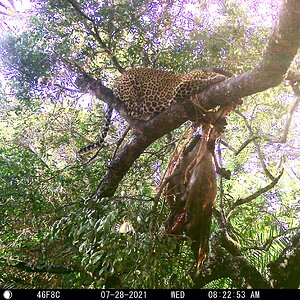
[{"x": 281, "y": 48}]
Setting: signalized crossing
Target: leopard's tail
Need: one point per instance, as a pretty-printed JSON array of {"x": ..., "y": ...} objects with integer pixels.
[{"x": 102, "y": 135}]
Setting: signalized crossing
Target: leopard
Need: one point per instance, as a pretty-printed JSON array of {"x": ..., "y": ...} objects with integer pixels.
[{"x": 144, "y": 92}]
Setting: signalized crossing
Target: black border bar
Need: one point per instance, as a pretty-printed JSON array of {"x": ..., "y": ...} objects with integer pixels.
[{"x": 65, "y": 294}]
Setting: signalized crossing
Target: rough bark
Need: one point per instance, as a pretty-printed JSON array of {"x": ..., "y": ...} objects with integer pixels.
[
  {"x": 285, "y": 270},
  {"x": 221, "y": 263},
  {"x": 280, "y": 50},
  {"x": 224, "y": 263}
]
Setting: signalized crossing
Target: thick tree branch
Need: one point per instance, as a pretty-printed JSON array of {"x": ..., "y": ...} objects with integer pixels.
[
  {"x": 282, "y": 47},
  {"x": 280, "y": 51},
  {"x": 285, "y": 270},
  {"x": 158, "y": 126},
  {"x": 222, "y": 264}
]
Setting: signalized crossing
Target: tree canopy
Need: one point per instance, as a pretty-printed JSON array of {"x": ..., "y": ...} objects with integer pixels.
[{"x": 58, "y": 62}]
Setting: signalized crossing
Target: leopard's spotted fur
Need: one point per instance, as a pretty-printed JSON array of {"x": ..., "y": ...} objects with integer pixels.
[{"x": 146, "y": 91}]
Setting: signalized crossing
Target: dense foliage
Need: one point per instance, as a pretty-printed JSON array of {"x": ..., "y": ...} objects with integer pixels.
[{"x": 54, "y": 234}]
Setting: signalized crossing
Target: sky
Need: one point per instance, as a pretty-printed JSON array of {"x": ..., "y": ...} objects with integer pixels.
[
  {"x": 263, "y": 9},
  {"x": 20, "y": 5},
  {"x": 12, "y": 14}
]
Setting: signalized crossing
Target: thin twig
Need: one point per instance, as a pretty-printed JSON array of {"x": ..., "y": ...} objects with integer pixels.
[{"x": 248, "y": 199}]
